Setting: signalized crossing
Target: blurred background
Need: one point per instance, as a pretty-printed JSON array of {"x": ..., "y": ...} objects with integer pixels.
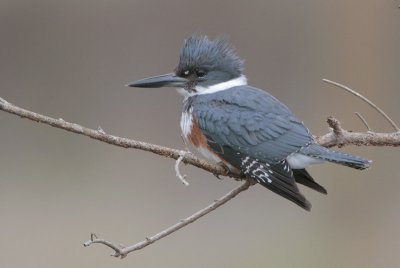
[{"x": 71, "y": 59}]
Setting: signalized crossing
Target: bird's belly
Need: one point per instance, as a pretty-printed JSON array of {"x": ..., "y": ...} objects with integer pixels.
[
  {"x": 300, "y": 161},
  {"x": 213, "y": 158},
  {"x": 209, "y": 155}
]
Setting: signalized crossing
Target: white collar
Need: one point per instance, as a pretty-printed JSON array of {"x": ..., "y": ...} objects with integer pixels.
[{"x": 200, "y": 90}]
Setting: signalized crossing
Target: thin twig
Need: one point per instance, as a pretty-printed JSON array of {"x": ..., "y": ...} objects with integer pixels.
[
  {"x": 364, "y": 121},
  {"x": 352, "y": 91},
  {"x": 177, "y": 171},
  {"x": 123, "y": 251}
]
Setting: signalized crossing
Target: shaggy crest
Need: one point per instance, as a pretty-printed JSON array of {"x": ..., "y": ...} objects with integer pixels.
[{"x": 218, "y": 54}]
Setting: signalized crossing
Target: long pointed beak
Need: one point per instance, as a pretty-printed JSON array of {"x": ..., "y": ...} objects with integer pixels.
[{"x": 165, "y": 80}]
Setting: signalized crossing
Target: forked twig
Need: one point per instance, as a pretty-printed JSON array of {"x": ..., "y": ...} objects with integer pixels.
[
  {"x": 355, "y": 93},
  {"x": 121, "y": 251}
]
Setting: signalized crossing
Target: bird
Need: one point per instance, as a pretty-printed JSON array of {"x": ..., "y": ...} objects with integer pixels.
[{"x": 243, "y": 128}]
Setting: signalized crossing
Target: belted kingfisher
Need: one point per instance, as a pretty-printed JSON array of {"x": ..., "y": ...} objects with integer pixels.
[{"x": 242, "y": 127}]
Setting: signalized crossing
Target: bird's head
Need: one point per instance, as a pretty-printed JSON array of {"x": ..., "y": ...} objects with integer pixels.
[{"x": 203, "y": 65}]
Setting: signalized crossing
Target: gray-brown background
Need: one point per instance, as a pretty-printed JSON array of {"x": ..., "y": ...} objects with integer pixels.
[{"x": 71, "y": 59}]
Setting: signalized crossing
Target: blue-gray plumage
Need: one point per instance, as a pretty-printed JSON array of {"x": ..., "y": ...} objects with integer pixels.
[
  {"x": 242, "y": 127},
  {"x": 251, "y": 122}
]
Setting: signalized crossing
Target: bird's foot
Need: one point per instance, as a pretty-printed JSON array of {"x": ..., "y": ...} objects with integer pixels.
[{"x": 227, "y": 170}]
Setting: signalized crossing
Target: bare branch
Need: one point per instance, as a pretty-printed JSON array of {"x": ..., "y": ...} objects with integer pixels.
[
  {"x": 100, "y": 135},
  {"x": 352, "y": 91},
  {"x": 340, "y": 137},
  {"x": 337, "y": 137},
  {"x": 328, "y": 140},
  {"x": 121, "y": 251}
]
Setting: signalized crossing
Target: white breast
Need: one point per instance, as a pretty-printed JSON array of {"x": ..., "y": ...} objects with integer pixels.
[{"x": 186, "y": 123}]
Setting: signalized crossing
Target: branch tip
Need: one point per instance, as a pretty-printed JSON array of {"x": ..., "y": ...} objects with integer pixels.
[
  {"x": 87, "y": 243},
  {"x": 335, "y": 125},
  {"x": 3, "y": 101},
  {"x": 364, "y": 121}
]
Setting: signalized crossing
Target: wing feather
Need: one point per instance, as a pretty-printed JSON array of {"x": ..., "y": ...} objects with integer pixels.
[{"x": 250, "y": 121}]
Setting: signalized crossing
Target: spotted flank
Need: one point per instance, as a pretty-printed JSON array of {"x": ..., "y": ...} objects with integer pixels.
[
  {"x": 277, "y": 177},
  {"x": 260, "y": 172}
]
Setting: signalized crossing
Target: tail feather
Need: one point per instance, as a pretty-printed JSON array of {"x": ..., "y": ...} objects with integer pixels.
[
  {"x": 303, "y": 177},
  {"x": 319, "y": 152},
  {"x": 276, "y": 177}
]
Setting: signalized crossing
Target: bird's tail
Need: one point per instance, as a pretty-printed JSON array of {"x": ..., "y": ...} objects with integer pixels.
[
  {"x": 277, "y": 177},
  {"x": 303, "y": 177},
  {"x": 319, "y": 152}
]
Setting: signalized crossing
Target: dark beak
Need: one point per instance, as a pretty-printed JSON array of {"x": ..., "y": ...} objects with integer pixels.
[{"x": 165, "y": 80}]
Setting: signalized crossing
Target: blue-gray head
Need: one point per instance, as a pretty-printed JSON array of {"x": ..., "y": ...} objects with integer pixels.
[{"x": 204, "y": 65}]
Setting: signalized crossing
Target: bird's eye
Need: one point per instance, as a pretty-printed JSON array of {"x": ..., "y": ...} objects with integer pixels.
[
  {"x": 185, "y": 73},
  {"x": 200, "y": 73}
]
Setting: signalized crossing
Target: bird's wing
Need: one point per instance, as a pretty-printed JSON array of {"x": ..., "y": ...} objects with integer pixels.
[
  {"x": 250, "y": 122},
  {"x": 254, "y": 132}
]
